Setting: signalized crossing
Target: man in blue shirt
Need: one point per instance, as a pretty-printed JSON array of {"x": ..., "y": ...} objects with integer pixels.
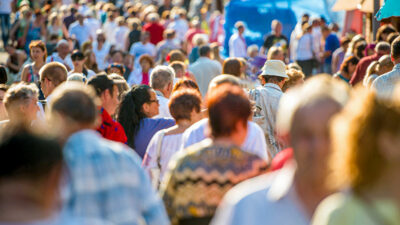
[
  {"x": 331, "y": 44},
  {"x": 104, "y": 178}
]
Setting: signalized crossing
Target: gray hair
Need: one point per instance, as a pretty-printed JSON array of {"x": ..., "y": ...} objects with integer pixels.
[
  {"x": 314, "y": 90},
  {"x": 161, "y": 76},
  {"x": 20, "y": 93}
]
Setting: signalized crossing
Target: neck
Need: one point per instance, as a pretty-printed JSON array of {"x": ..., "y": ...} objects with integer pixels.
[
  {"x": 38, "y": 63},
  {"x": 184, "y": 123},
  {"x": 78, "y": 69},
  {"x": 310, "y": 191},
  {"x": 227, "y": 141}
]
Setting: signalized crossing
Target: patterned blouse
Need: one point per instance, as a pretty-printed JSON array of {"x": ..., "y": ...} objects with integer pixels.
[{"x": 199, "y": 176}]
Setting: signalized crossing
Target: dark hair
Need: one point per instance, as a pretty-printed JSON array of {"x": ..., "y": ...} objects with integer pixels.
[
  {"x": 204, "y": 50},
  {"x": 227, "y": 105},
  {"x": 396, "y": 48},
  {"x": 391, "y": 37},
  {"x": 28, "y": 156},
  {"x": 130, "y": 111},
  {"x": 232, "y": 66},
  {"x": 3, "y": 75},
  {"x": 120, "y": 67},
  {"x": 101, "y": 83},
  {"x": 360, "y": 48},
  {"x": 182, "y": 103},
  {"x": 185, "y": 83},
  {"x": 385, "y": 29},
  {"x": 345, "y": 64},
  {"x": 272, "y": 79},
  {"x": 77, "y": 55}
]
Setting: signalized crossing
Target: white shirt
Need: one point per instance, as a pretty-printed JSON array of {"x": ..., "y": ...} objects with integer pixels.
[
  {"x": 304, "y": 49},
  {"x": 317, "y": 37},
  {"x": 136, "y": 77},
  {"x": 254, "y": 143},
  {"x": 81, "y": 32},
  {"x": 101, "y": 55},
  {"x": 204, "y": 70},
  {"x": 385, "y": 84},
  {"x": 169, "y": 146},
  {"x": 90, "y": 73},
  {"x": 109, "y": 29},
  {"x": 163, "y": 109},
  {"x": 180, "y": 26},
  {"x": 267, "y": 101},
  {"x": 237, "y": 47},
  {"x": 56, "y": 58},
  {"x": 93, "y": 25},
  {"x": 269, "y": 198},
  {"x": 121, "y": 34}
]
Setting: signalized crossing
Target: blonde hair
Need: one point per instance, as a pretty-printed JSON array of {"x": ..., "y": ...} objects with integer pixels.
[
  {"x": 372, "y": 69},
  {"x": 356, "y": 159},
  {"x": 294, "y": 77}
]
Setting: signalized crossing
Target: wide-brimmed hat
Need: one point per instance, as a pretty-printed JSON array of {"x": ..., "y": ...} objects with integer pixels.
[{"x": 274, "y": 68}]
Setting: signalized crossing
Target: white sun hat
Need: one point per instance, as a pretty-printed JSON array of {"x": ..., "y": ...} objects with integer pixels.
[{"x": 274, "y": 68}]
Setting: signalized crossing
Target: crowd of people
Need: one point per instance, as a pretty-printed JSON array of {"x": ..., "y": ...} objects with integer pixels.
[{"x": 127, "y": 113}]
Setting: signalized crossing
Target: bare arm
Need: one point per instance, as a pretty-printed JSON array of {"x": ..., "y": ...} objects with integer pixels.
[{"x": 24, "y": 74}]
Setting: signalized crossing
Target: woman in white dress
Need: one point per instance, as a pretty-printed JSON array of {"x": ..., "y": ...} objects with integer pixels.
[{"x": 185, "y": 108}]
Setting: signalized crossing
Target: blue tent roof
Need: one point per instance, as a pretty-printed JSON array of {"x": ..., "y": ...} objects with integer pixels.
[
  {"x": 258, "y": 15},
  {"x": 389, "y": 8}
]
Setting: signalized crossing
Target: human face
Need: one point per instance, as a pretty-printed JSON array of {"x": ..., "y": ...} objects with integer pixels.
[
  {"x": 63, "y": 50},
  {"x": 110, "y": 103},
  {"x": 351, "y": 68},
  {"x": 145, "y": 65},
  {"x": 118, "y": 58},
  {"x": 78, "y": 63},
  {"x": 150, "y": 108},
  {"x": 37, "y": 54},
  {"x": 309, "y": 137},
  {"x": 278, "y": 29}
]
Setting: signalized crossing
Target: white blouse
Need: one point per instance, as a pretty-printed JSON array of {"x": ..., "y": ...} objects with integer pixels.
[{"x": 170, "y": 145}]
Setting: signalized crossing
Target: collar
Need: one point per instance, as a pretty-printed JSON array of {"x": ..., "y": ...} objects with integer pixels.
[
  {"x": 272, "y": 85},
  {"x": 159, "y": 93},
  {"x": 106, "y": 118},
  {"x": 283, "y": 183}
]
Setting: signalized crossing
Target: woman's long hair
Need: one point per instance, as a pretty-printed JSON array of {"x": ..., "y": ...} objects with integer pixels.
[{"x": 130, "y": 111}]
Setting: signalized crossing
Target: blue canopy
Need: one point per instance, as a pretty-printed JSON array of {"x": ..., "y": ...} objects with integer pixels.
[
  {"x": 258, "y": 15},
  {"x": 389, "y": 8}
]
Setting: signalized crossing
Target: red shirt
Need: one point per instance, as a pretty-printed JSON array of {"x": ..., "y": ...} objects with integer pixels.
[
  {"x": 145, "y": 78},
  {"x": 362, "y": 67},
  {"x": 156, "y": 32},
  {"x": 281, "y": 158},
  {"x": 110, "y": 129}
]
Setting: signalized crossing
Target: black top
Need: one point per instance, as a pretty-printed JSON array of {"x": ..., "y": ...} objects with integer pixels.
[{"x": 273, "y": 40}]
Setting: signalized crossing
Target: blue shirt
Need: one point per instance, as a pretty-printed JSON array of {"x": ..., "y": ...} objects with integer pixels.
[
  {"x": 148, "y": 127},
  {"x": 104, "y": 180},
  {"x": 331, "y": 44}
]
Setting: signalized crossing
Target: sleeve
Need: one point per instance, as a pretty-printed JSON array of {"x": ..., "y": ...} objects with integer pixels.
[{"x": 268, "y": 42}]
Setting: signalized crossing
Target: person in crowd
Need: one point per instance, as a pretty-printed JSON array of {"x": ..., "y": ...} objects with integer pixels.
[
  {"x": 68, "y": 20},
  {"x": 77, "y": 77},
  {"x": 101, "y": 49},
  {"x": 79, "y": 29},
  {"x": 385, "y": 84},
  {"x": 15, "y": 61},
  {"x": 232, "y": 66},
  {"x": 347, "y": 69},
  {"x": 144, "y": 46},
  {"x": 180, "y": 71},
  {"x": 135, "y": 113},
  {"x": 338, "y": 54},
  {"x": 198, "y": 40},
  {"x": 179, "y": 24},
  {"x": 185, "y": 107},
  {"x": 205, "y": 69},
  {"x": 38, "y": 54},
  {"x": 3, "y": 111},
  {"x": 90, "y": 61},
  {"x": 382, "y": 48},
  {"x": 121, "y": 83},
  {"x": 217, "y": 164},
  {"x": 51, "y": 75},
  {"x": 92, "y": 23},
  {"x": 56, "y": 27},
  {"x": 34, "y": 165},
  {"x": 99, "y": 171},
  {"x": 154, "y": 27},
  {"x": 108, "y": 93},
  {"x": 305, "y": 54},
  {"x": 162, "y": 81},
  {"x": 237, "y": 42},
  {"x": 361, "y": 49},
  {"x": 35, "y": 30},
  {"x": 141, "y": 75},
  {"x": 5, "y": 13},
  {"x": 296, "y": 77},
  {"x": 383, "y": 66},
  {"x": 195, "y": 29},
  {"x": 166, "y": 45},
  {"x": 331, "y": 44},
  {"x": 267, "y": 101},
  {"x": 369, "y": 50},
  {"x": 185, "y": 84},
  {"x": 391, "y": 37},
  {"x": 20, "y": 101},
  {"x": 291, "y": 194},
  {"x": 351, "y": 49},
  {"x": 364, "y": 162},
  {"x": 255, "y": 140},
  {"x": 62, "y": 55},
  {"x": 134, "y": 35},
  {"x": 78, "y": 60},
  {"x": 384, "y": 31},
  {"x": 110, "y": 26},
  {"x": 276, "y": 53},
  {"x": 116, "y": 68},
  {"x": 372, "y": 74},
  {"x": 121, "y": 34},
  {"x": 276, "y": 38}
]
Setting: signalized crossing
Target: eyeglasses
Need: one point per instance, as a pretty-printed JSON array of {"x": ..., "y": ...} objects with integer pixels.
[{"x": 151, "y": 101}]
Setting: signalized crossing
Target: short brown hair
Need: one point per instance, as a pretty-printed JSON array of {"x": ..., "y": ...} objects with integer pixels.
[
  {"x": 39, "y": 44},
  {"x": 19, "y": 93},
  {"x": 183, "y": 102},
  {"x": 176, "y": 55},
  {"x": 185, "y": 83},
  {"x": 227, "y": 105},
  {"x": 148, "y": 58},
  {"x": 232, "y": 66},
  {"x": 178, "y": 66},
  {"x": 55, "y": 72}
]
